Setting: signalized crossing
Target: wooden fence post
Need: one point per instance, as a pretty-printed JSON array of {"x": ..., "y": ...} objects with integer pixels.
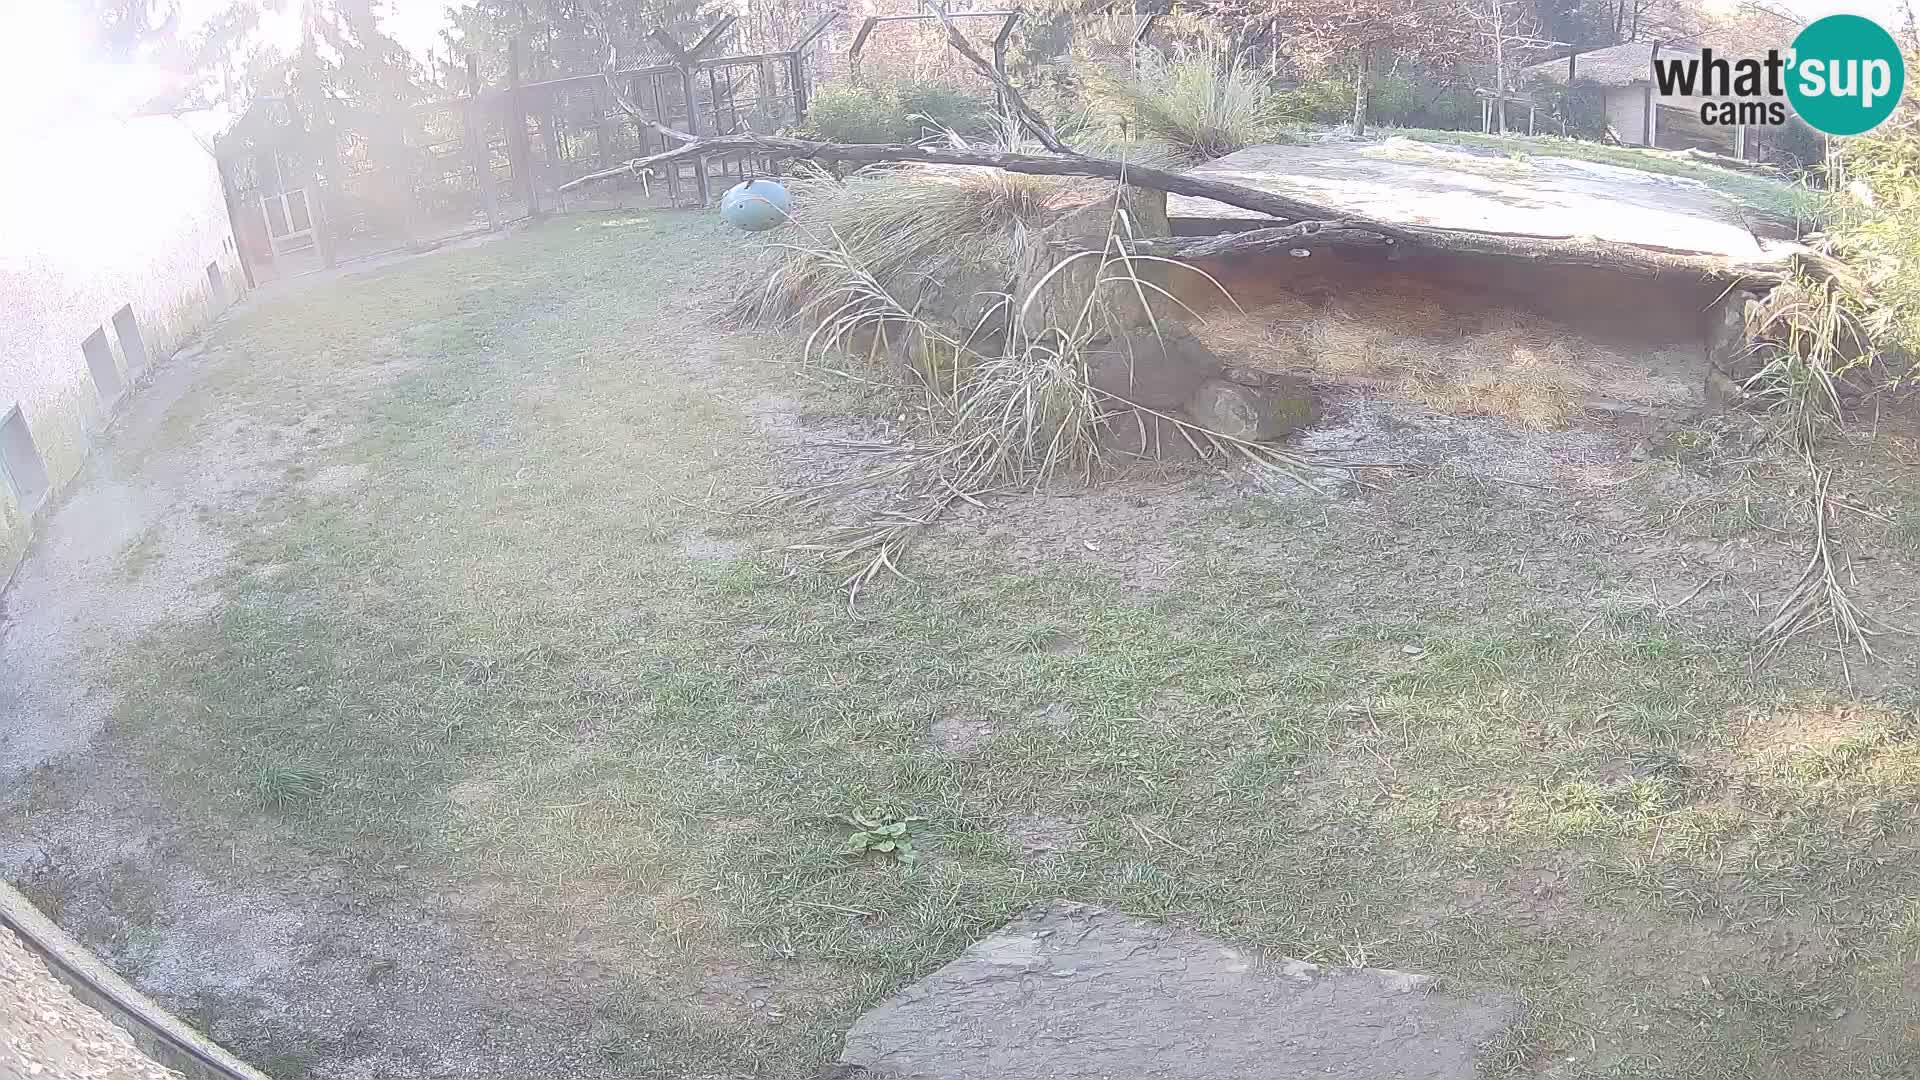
[
  {"x": 690, "y": 88},
  {"x": 602, "y": 110},
  {"x": 476, "y": 132},
  {"x": 797, "y": 83},
  {"x": 517, "y": 145},
  {"x": 796, "y": 65},
  {"x": 330, "y": 193},
  {"x": 769, "y": 113},
  {"x": 326, "y": 153}
]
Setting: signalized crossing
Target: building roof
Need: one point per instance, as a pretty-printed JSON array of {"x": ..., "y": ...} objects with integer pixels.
[
  {"x": 1615, "y": 65},
  {"x": 1625, "y": 65}
]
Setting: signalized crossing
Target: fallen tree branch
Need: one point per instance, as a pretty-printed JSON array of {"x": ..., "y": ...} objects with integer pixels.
[
  {"x": 1820, "y": 598},
  {"x": 1246, "y": 198},
  {"x": 1323, "y": 225},
  {"x": 1029, "y": 118}
]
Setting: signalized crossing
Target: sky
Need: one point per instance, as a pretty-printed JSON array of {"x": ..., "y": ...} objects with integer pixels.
[
  {"x": 1888, "y": 13},
  {"x": 413, "y": 23},
  {"x": 46, "y": 72},
  {"x": 416, "y": 23}
]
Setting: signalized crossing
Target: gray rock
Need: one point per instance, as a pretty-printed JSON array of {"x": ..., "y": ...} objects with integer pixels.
[
  {"x": 1089, "y": 224},
  {"x": 1729, "y": 350},
  {"x": 1067, "y": 293},
  {"x": 1722, "y": 391},
  {"x": 1159, "y": 371},
  {"x": 1073, "y": 992},
  {"x": 1253, "y": 412},
  {"x": 1145, "y": 435}
]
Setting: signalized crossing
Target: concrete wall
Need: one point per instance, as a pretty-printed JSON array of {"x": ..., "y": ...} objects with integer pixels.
[{"x": 96, "y": 216}]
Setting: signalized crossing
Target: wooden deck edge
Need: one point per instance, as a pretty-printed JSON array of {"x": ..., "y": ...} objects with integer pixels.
[{"x": 158, "y": 1033}]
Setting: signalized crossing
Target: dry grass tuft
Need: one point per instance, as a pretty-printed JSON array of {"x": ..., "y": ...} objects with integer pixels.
[
  {"x": 1523, "y": 371},
  {"x": 946, "y": 238},
  {"x": 1409, "y": 340},
  {"x": 1204, "y": 105},
  {"x": 1409, "y": 307},
  {"x": 1007, "y": 405},
  {"x": 908, "y": 227},
  {"x": 1813, "y": 336},
  {"x": 1343, "y": 345},
  {"x": 1816, "y": 334}
]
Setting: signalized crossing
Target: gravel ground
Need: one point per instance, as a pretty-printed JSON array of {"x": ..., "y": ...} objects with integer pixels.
[{"x": 45, "y": 1032}]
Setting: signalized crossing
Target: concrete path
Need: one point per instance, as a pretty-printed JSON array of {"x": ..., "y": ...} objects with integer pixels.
[{"x": 1074, "y": 992}]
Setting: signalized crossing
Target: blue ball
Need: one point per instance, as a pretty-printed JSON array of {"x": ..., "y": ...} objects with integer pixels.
[{"x": 756, "y": 205}]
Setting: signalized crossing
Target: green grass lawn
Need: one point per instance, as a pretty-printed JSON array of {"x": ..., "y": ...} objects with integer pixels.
[
  {"x": 490, "y": 629},
  {"x": 1794, "y": 202}
]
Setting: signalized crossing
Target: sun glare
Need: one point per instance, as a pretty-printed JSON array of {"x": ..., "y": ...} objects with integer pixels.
[{"x": 49, "y": 71}]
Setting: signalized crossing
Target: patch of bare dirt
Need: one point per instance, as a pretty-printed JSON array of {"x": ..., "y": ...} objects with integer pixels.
[
  {"x": 1041, "y": 839},
  {"x": 1128, "y": 529},
  {"x": 1696, "y": 954},
  {"x": 700, "y": 547},
  {"x": 1792, "y": 730},
  {"x": 362, "y": 968},
  {"x": 961, "y": 734},
  {"x": 73, "y": 600},
  {"x": 338, "y": 480}
]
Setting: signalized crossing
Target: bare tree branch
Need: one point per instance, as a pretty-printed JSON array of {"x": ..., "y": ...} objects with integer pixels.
[
  {"x": 612, "y": 64},
  {"x": 1029, "y": 118}
]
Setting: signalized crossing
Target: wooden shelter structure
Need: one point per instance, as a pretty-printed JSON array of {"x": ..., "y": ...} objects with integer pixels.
[
  {"x": 1637, "y": 114},
  {"x": 355, "y": 184}
]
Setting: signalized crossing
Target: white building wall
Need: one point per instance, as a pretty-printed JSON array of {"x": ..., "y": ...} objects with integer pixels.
[
  {"x": 95, "y": 216},
  {"x": 1627, "y": 113}
]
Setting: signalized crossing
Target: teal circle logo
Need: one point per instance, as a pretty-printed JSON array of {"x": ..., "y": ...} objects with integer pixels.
[{"x": 1846, "y": 74}]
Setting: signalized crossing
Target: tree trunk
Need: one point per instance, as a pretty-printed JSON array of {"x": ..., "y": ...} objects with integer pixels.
[
  {"x": 1500, "y": 62},
  {"x": 1360, "y": 88}
]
